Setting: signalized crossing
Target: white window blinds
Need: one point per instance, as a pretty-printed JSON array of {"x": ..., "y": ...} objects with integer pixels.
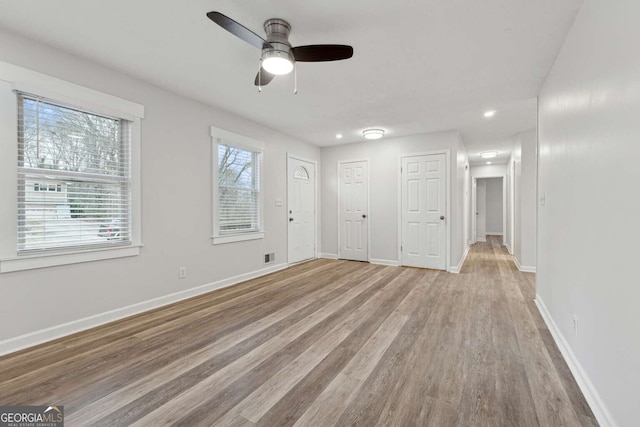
[
  {"x": 74, "y": 178},
  {"x": 238, "y": 190}
]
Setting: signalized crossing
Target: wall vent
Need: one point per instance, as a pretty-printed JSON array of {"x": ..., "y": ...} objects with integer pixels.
[{"x": 269, "y": 258}]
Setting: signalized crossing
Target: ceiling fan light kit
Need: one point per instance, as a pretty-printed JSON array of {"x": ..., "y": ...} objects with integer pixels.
[{"x": 278, "y": 56}]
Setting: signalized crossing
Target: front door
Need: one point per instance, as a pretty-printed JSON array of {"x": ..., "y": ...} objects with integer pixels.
[
  {"x": 354, "y": 202},
  {"x": 423, "y": 226},
  {"x": 301, "y": 210}
]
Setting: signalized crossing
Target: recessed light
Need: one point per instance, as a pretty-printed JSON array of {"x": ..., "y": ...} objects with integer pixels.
[
  {"x": 373, "y": 133},
  {"x": 488, "y": 163},
  {"x": 338, "y": 136},
  {"x": 490, "y": 113},
  {"x": 488, "y": 154}
]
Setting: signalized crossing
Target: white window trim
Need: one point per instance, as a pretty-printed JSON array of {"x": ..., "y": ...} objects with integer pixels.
[
  {"x": 16, "y": 78},
  {"x": 219, "y": 136}
]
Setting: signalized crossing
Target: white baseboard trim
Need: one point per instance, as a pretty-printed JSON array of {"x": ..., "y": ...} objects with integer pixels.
[
  {"x": 328, "y": 256},
  {"x": 493, "y": 234},
  {"x": 388, "y": 262},
  {"x": 481, "y": 239},
  {"x": 506, "y": 245},
  {"x": 38, "y": 337},
  {"x": 458, "y": 268},
  {"x": 524, "y": 268},
  {"x": 602, "y": 414}
]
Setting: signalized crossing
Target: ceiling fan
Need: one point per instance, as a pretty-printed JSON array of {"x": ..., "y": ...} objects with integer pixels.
[{"x": 278, "y": 56}]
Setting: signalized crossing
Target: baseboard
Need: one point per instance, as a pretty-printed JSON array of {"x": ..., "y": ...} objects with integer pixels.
[
  {"x": 49, "y": 334},
  {"x": 506, "y": 245},
  {"x": 458, "y": 268},
  {"x": 516, "y": 262},
  {"x": 481, "y": 239},
  {"x": 389, "y": 262},
  {"x": 602, "y": 414},
  {"x": 493, "y": 234},
  {"x": 524, "y": 268},
  {"x": 328, "y": 256}
]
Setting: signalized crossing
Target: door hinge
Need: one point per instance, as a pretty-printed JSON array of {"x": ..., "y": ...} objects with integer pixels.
[{"x": 400, "y": 248}]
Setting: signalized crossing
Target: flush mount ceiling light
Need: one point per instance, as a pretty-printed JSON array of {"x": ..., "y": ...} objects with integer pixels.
[
  {"x": 488, "y": 154},
  {"x": 488, "y": 163},
  {"x": 338, "y": 136},
  {"x": 490, "y": 113},
  {"x": 373, "y": 133}
]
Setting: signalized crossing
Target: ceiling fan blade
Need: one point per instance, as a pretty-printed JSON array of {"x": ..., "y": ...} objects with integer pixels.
[
  {"x": 322, "y": 52},
  {"x": 238, "y": 30},
  {"x": 263, "y": 77}
]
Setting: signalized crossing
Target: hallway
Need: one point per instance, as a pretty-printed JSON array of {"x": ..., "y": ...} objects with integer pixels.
[
  {"x": 515, "y": 352},
  {"x": 322, "y": 343}
]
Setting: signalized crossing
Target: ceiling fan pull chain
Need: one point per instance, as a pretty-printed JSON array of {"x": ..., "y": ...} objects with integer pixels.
[{"x": 295, "y": 80}]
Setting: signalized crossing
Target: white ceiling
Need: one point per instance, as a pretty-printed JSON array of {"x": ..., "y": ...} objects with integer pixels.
[{"x": 418, "y": 66}]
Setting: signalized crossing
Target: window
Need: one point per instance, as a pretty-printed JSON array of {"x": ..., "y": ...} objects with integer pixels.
[
  {"x": 85, "y": 153},
  {"x": 75, "y": 172},
  {"x": 301, "y": 173},
  {"x": 237, "y": 188}
]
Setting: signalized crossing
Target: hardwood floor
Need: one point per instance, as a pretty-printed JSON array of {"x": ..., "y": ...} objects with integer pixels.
[{"x": 322, "y": 343}]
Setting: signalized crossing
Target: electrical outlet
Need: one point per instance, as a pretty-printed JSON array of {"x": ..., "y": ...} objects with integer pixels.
[
  {"x": 182, "y": 272},
  {"x": 575, "y": 325}
]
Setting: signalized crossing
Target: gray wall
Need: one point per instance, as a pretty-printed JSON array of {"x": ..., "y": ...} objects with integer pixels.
[
  {"x": 383, "y": 158},
  {"x": 176, "y": 205},
  {"x": 589, "y": 132}
]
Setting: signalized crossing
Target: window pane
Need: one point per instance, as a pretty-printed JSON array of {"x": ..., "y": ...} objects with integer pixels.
[
  {"x": 73, "y": 178},
  {"x": 238, "y": 190},
  {"x": 61, "y": 138},
  {"x": 80, "y": 214}
]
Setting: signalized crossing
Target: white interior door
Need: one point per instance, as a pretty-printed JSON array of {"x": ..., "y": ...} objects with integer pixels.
[
  {"x": 474, "y": 210},
  {"x": 353, "y": 214},
  {"x": 481, "y": 210},
  {"x": 301, "y": 210},
  {"x": 423, "y": 210}
]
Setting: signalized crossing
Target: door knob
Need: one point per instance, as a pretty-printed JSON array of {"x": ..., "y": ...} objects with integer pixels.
[
  {"x": 290, "y": 219},
  {"x": 441, "y": 216},
  {"x": 364, "y": 215}
]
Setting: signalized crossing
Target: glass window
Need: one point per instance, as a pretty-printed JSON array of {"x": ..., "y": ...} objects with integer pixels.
[{"x": 79, "y": 165}]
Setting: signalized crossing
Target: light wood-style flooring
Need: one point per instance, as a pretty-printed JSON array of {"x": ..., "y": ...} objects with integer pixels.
[{"x": 319, "y": 344}]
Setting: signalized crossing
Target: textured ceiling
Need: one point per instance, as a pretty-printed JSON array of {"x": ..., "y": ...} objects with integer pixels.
[{"x": 418, "y": 66}]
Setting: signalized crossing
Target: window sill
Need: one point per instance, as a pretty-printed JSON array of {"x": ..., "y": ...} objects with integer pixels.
[
  {"x": 31, "y": 262},
  {"x": 219, "y": 240}
]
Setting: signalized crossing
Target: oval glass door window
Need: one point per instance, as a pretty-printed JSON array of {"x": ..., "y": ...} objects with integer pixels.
[{"x": 301, "y": 173}]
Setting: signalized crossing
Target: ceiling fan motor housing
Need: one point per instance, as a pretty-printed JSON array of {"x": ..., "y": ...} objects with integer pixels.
[{"x": 277, "y": 31}]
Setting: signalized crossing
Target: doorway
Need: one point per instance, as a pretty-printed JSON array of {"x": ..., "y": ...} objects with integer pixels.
[
  {"x": 489, "y": 207},
  {"x": 353, "y": 220},
  {"x": 423, "y": 222},
  {"x": 301, "y": 209}
]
